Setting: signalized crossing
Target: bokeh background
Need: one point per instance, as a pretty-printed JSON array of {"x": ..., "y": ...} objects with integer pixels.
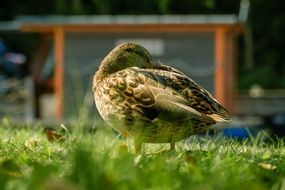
[{"x": 28, "y": 55}]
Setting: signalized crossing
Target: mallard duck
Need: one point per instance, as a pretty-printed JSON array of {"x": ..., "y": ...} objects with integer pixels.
[{"x": 151, "y": 102}]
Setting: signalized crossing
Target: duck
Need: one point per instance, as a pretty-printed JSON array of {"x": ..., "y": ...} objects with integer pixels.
[{"x": 150, "y": 102}]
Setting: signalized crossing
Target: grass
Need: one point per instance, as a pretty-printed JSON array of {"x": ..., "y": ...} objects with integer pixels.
[{"x": 97, "y": 159}]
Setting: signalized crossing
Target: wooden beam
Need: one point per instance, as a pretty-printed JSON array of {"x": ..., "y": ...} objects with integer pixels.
[
  {"x": 138, "y": 28},
  {"x": 58, "y": 70},
  {"x": 220, "y": 65}
]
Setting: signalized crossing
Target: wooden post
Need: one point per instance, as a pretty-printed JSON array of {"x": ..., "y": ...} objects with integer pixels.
[
  {"x": 220, "y": 65},
  {"x": 229, "y": 72},
  {"x": 58, "y": 70}
]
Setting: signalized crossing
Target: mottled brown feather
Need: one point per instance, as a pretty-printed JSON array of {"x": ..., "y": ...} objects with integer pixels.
[{"x": 149, "y": 101}]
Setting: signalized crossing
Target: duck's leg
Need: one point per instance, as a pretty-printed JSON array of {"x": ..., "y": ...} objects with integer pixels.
[
  {"x": 172, "y": 146},
  {"x": 138, "y": 146}
]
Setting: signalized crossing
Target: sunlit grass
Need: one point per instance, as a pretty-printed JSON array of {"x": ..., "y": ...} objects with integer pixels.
[{"x": 99, "y": 159}]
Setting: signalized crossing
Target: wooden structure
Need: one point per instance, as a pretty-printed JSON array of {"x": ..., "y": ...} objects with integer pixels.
[{"x": 220, "y": 29}]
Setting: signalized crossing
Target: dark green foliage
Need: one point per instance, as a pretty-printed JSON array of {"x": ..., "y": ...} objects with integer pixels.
[
  {"x": 267, "y": 19},
  {"x": 10, "y": 9}
]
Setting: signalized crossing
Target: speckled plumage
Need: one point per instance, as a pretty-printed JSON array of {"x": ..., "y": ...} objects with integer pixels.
[{"x": 151, "y": 102}]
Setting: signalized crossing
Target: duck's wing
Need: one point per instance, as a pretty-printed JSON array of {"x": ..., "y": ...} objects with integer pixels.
[
  {"x": 149, "y": 93},
  {"x": 195, "y": 96},
  {"x": 166, "y": 104}
]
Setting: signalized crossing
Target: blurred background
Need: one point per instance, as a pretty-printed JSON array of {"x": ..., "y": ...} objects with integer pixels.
[{"x": 49, "y": 51}]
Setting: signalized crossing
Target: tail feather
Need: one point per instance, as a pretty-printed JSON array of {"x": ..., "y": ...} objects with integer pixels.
[{"x": 220, "y": 118}]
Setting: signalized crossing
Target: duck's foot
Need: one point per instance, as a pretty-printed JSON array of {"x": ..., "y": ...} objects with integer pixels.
[
  {"x": 138, "y": 146},
  {"x": 168, "y": 151},
  {"x": 172, "y": 146}
]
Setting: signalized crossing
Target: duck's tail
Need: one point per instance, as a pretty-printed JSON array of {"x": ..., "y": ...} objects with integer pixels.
[{"x": 220, "y": 118}]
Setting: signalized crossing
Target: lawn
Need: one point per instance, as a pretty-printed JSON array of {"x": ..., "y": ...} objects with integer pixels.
[{"x": 98, "y": 159}]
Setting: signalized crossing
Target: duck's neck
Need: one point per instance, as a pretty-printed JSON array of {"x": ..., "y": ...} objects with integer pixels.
[{"x": 116, "y": 62}]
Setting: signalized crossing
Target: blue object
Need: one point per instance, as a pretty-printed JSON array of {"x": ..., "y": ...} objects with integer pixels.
[{"x": 236, "y": 132}]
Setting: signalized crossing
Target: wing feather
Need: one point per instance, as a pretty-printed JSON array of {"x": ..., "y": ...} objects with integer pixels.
[
  {"x": 167, "y": 104},
  {"x": 196, "y": 96}
]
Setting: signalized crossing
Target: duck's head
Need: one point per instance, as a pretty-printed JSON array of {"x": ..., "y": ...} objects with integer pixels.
[{"x": 124, "y": 56}]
